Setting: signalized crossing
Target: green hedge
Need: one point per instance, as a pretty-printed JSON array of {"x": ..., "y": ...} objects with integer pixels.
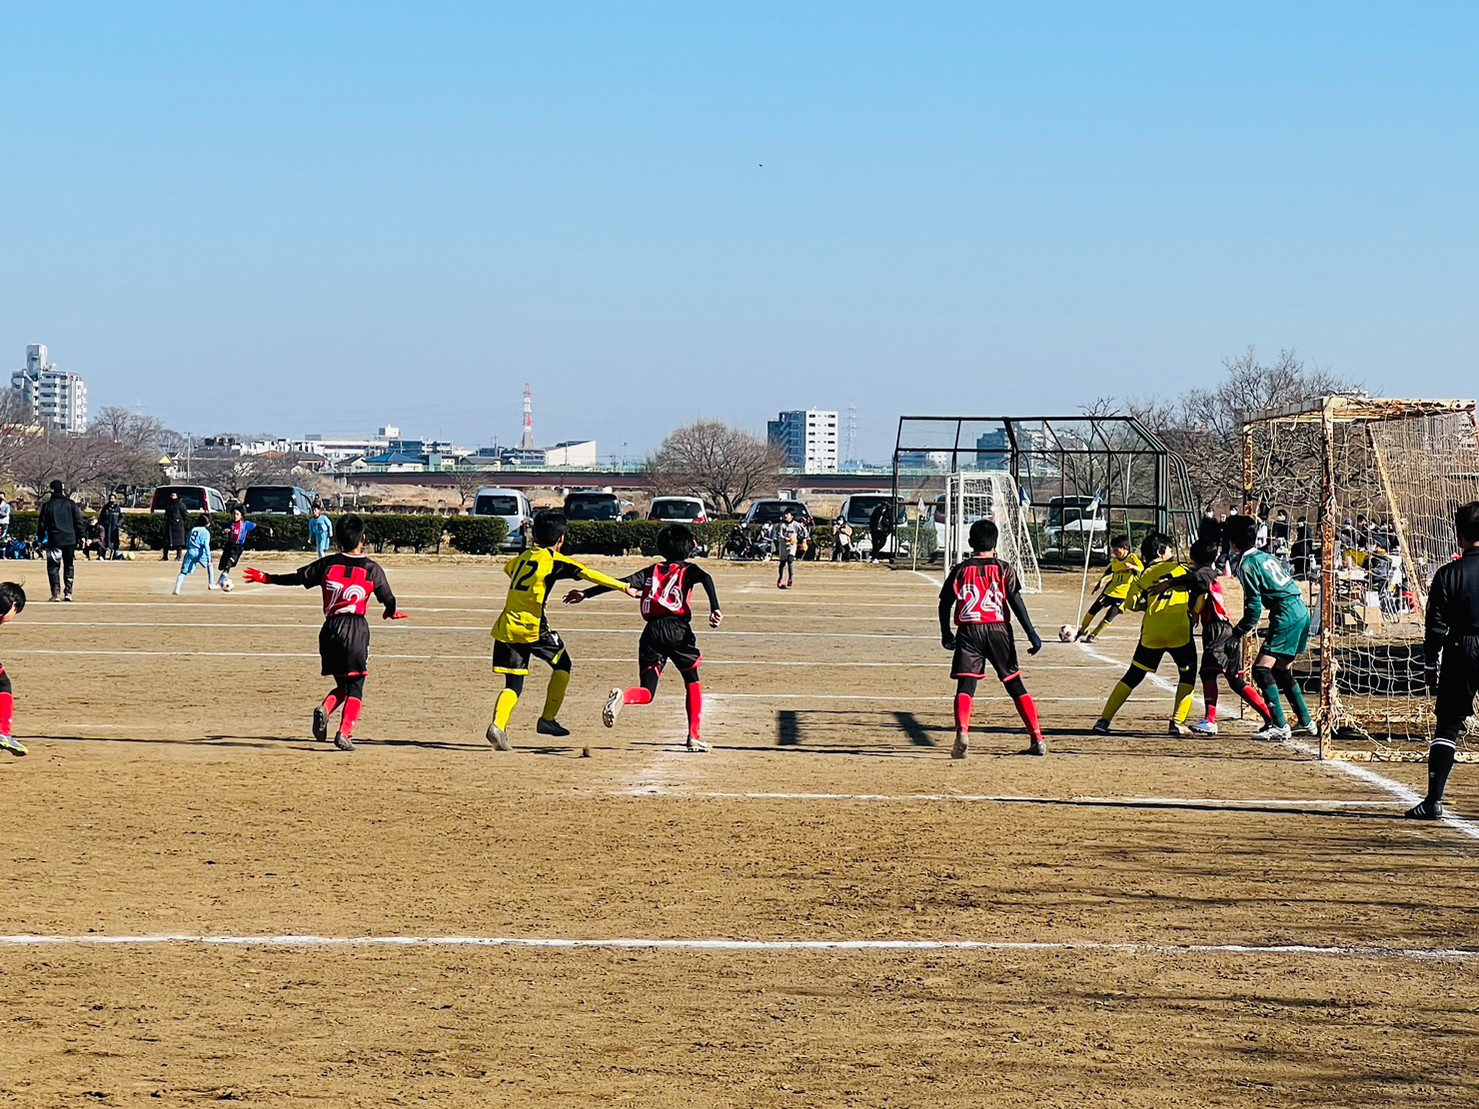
[
  {"x": 615, "y": 537},
  {"x": 477, "y": 534},
  {"x": 23, "y": 524},
  {"x": 420, "y": 533},
  {"x": 290, "y": 533}
]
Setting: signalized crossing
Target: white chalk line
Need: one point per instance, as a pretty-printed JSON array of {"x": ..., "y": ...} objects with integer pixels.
[
  {"x": 410, "y": 626},
  {"x": 1370, "y": 777},
  {"x": 1370, "y": 952},
  {"x": 1010, "y": 798}
]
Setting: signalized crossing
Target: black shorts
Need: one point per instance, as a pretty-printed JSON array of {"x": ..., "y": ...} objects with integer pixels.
[
  {"x": 1221, "y": 653},
  {"x": 1149, "y": 658},
  {"x": 230, "y": 556},
  {"x": 1113, "y": 605},
  {"x": 666, "y": 639},
  {"x": 978, "y": 644},
  {"x": 344, "y": 646},
  {"x": 1458, "y": 681},
  {"x": 513, "y": 658}
]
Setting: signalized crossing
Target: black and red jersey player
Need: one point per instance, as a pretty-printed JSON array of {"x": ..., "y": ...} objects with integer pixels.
[
  {"x": 980, "y": 597},
  {"x": 664, "y": 590},
  {"x": 348, "y": 580}
]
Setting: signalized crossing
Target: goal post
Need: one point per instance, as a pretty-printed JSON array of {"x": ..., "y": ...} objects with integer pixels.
[
  {"x": 1359, "y": 495},
  {"x": 990, "y": 495}
]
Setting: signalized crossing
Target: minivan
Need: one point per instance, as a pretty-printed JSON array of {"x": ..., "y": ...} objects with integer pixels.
[
  {"x": 683, "y": 510},
  {"x": 195, "y": 498},
  {"x": 858, "y": 511},
  {"x": 287, "y": 499},
  {"x": 509, "y": 505},
  {"x": 771, "y": 510}
]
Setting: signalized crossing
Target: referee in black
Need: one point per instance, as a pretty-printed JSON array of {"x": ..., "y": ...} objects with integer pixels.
[{"x": 1453, "y": 634}]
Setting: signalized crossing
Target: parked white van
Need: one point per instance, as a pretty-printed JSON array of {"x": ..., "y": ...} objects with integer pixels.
[{"x": 512, "y": 507}]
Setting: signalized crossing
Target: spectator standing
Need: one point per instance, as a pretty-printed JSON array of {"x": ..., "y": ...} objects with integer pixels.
[
  {"x": 320, "y": 531},
  {"x": 111, "y": 517},
  {"x": 880, "y": 527},
  {"x": 4, "y": 519},
  {"x": 176, "y": 527},
  {"x": 842, "y": 540},
  {"x": 61, "y": 529}
]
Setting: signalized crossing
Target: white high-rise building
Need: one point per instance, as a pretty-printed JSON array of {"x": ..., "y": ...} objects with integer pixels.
[
  {"x": 808, "y": 438},
  {"x": 50, "y": 396}
]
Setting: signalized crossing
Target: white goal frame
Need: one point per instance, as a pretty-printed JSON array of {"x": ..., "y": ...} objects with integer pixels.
[{"x": 993, "y": 495}]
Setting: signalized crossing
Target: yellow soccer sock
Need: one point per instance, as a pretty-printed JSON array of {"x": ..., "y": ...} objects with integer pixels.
[
  {"x": 1103, "y": 623},
  {"x": 554, "y": 697},
  {"x": 1116, "y": 701},
  {"x": 1183, "y": 702},
  {"x": 504, "y": 709}
]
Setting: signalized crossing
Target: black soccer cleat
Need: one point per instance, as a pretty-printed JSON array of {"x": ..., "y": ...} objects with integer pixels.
[
  {"x": 1101, "y": 727},
  {"x": 343, "y": 742},
  {"x": 1038, "y": 746},
  {"x": 551, "y": 727},
  {"x": 320, "y": 724},
  {"x": 1425, "y": 810}
]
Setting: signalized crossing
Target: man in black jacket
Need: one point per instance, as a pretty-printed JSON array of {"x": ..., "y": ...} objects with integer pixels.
[
  {"x": 61, "y": 530},
  {"x": 176, "y": 524},
  {"x": 112, "y": 520}
]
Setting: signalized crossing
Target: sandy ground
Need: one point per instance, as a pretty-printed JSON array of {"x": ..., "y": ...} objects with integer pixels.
[{"x": 1158, "y": 921}]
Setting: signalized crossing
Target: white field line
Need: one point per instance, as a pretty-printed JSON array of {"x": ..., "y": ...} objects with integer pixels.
[
  {"x": 293, "y": 602},
  {"x": 1370, "y": 777},
  {"x": 1009, "y": 798},
  {"x": 632, "y": 628},
  {"x": 1373, "y": 952},
  {"x": 944, "y": 700}
]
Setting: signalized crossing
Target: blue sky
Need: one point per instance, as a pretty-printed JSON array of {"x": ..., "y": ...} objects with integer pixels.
[{"x": 323, "y": 217}]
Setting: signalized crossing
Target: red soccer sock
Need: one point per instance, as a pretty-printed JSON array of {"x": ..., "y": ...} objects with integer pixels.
[
  {"x": 331, "y": 702},
  {"x": 637, "y": 696},
  {"x": 964, "y": 702},
  {"x": 1209, "y": 695},
  {"x": 1027, "y": 709},
  {"x": 695, "y": 697},
  {"x": 7, "y": 712},
  {"x": 352, "y": 705},
  {"x": 1255, "y": 700}
]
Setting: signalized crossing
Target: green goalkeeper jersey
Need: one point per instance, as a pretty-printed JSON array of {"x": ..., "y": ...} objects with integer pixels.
[{"x": 1267, "y": 581}]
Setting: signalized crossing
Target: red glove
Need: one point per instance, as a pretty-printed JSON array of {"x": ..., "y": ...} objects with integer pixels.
[
  {"x": 251, "y": 573},
  {"x": 398, "y": 614}
]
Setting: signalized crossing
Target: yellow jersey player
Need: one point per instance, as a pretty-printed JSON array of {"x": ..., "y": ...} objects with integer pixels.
[
  {"x": 1124, "y": 568},
  {"x": 1166, "y": 629},
  {"x": 522, "y": 632}
]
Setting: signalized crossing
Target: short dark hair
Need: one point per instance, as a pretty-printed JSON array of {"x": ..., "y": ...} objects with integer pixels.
[
  {"x": 676, "y": 542},
  {"x": 56, "y": 487},
  {"x": 984, "y": 536},
  {"x": 1120, "y": 542},
  {"x": 1204, "y": 552},
  {"x": 1241, "y": 532},
  {"x": 549, "y": 527},
  {"x": 349, "y": 532},
  {"x": 1466, "y": 520},
  {"x": 204, "y": 519},
  {"x": 12, "y": 597},
  {"x": 1155, "y": 544}
]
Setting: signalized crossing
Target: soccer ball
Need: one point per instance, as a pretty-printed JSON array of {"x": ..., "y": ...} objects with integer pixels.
[
  {"x": 226, "y": 587},
  {"x": 1065, "y": 633}
]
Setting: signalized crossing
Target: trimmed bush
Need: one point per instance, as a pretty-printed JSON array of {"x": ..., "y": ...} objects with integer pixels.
[
  {"x": 615, "y": 537},
  {"x": 395, "y": 531},
  {"x": 23, "y": 524},
  {"x": 477, "y": 534},
  {"x": 290, "y": 533}
]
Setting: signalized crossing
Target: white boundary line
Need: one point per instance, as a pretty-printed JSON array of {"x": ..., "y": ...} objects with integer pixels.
[
  {"x": 1420, "y": 954},
  {"x": 1386, "y": 785},
  {"x": 1008, "y": 798},
  {"x": 633, "y": 628}
]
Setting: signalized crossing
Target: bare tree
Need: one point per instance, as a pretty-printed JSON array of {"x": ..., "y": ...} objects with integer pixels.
[
  {"x": 233, "y": 473},
  {"x": 1204, "y": 426},
  {"x": 466, "y": 483},
  {"x": 131, "y": 429},
  {"x": 727, "y": 465}
]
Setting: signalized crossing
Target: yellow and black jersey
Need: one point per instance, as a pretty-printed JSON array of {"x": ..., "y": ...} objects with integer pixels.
[
  {"x": 1122, "y": 571},
  {"x": 1167, "y": 615},
  {"x": 531, "y": 575}
]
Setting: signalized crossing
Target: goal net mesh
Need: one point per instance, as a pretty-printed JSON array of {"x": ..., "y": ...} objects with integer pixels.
[
  {"x": 990, "y": 495},
  {"x": 1360, "y": 495}
]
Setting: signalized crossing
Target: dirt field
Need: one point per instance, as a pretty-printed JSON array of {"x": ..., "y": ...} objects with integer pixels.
[{"x": 1137, "y": 920}]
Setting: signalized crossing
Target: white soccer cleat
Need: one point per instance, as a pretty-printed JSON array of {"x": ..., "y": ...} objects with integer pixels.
[
  {"x": 962, "y": 745},
  {"x": 1204, "y": 727},
  {"x": 697, "y": 746},
  {"x": 614, "y": 702},
  {"x": 1312, "y": 729},
  {"x": 1272, "y": 733}
]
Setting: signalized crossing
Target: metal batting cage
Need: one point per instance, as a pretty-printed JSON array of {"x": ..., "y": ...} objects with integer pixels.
[{"x": 1081, "y": 479}]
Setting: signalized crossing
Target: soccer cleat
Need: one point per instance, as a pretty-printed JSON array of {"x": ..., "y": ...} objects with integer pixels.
[
  {"x": 1204, "y": 727},
  {"x": 343, "y": 742},
  {"x": 1272, "y": 733},
  {"x": 1101, "y": 727},
  {"x": 1038, "y": 746},
  {"x": 177, "y": 590},
  {"x": 1311, "y": 729},
  {"x": 962, "y": 745},
  {"x": 320, "y": 724},
  {"x": 1088, "y": 639},
  {"x": 1425, "y": 810},
  {"x": 56, "y": 596},
  {"x": 614, "y": 702},
  {"x": 67, "y": 597},
  {"x": 1177, "y": 728},
  {"x": 14, "y": 746},
  {"x": 697, "y": 746},
  {"x": 551, "y": 727},
  {"x": 497, "y": 738}
]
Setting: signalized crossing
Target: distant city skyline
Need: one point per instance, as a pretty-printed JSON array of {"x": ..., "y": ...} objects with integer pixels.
[{"x": 324, "y": 217}]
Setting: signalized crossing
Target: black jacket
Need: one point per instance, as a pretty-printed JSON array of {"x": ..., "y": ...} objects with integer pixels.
[
  {"x": 61, "y": 522},
  {"x": 177, "y": 522},
  {"x": 111, "y": 517}
]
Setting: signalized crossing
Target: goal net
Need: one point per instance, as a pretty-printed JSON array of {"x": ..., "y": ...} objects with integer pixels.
[
  {"x": 1359, "y": 496},
  {"x": 989, "y": 495}
]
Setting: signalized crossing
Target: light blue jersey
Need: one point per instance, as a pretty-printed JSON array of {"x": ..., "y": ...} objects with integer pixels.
[
  {"x": 197, "y": 550},
  {"x": 321, "y": 534}
]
